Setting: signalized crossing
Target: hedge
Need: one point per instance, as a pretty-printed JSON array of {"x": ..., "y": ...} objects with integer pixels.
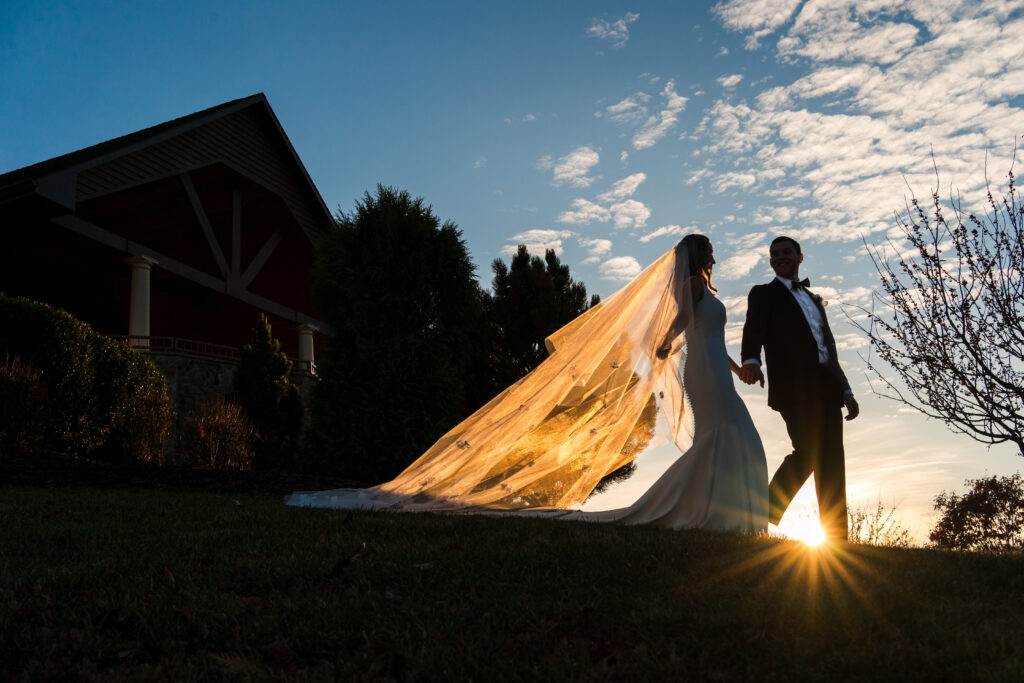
[{"x": 104, "y": 398}]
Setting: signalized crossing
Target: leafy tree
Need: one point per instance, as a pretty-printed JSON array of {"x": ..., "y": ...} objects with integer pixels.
[
  {"x": 531, "y": 298},
  {"x": 951, "y": 322},
  {"x": 397, "y": 290},
  {"x": 988, "y": 517},
  {"x": 271, "y": 403}
]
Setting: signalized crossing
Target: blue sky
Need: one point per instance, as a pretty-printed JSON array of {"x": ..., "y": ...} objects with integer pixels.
[{"x": 602, "y": 130}]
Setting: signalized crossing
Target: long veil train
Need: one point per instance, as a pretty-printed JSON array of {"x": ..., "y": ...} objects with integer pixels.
[{"x": 547, "y": 440}]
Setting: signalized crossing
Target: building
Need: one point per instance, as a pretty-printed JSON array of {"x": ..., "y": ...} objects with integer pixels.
[{"x": 176, "y": 236}]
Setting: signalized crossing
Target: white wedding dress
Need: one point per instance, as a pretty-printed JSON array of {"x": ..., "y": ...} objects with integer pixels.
[{"x": 720, "y": 483}]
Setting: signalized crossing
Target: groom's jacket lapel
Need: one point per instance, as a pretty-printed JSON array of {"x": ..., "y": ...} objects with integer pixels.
[{"x": 787, "y": 305}]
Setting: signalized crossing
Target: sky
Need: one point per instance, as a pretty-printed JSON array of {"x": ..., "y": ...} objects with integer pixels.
[{"x": 602, "y": 130}]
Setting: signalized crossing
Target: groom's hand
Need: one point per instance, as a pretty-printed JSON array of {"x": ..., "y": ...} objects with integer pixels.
[
  {"x": 852, "y": 409},
  {"x": 750, "y": 373}
]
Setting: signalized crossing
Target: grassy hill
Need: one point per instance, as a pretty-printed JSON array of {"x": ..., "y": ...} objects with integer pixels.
[{"x": 123, "y": 585}]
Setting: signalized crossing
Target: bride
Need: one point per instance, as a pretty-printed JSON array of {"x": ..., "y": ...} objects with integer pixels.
[{"x": 643, "y": 371}]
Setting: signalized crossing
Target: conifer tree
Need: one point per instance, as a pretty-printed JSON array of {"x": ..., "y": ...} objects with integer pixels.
[{"x": 270, "y": 401}]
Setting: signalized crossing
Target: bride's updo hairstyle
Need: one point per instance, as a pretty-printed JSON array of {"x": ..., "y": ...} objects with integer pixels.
[{"x": 696, "y": 248}]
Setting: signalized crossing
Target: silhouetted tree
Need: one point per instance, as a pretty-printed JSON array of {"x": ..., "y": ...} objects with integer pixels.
[
  {"x": 271, "y": 403},
  {"x": 988, "y": 517},
  {"x": 531, "y": 298},
  {"x": 951, "y": 318},
  {"x": 396, "y": 288}
]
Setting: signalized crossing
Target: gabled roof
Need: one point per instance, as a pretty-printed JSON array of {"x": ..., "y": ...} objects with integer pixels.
[{"x": 53, "y": 181}]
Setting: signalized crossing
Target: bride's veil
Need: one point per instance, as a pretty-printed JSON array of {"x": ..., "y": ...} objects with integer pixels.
[{"x": 587, "y": 410}]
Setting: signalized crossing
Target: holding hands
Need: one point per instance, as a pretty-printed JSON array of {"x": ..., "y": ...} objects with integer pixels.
[{"x": 750, "y": 373}]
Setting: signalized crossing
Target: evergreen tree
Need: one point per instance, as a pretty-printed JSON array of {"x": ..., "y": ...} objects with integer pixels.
[
  {"x": 272, "y": 404},
  {"x": 532, "y": 297},
  {"x": 396, "y": 288}
]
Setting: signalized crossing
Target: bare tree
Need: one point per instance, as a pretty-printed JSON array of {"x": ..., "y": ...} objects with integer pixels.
[{"x": 949, "y": 318}]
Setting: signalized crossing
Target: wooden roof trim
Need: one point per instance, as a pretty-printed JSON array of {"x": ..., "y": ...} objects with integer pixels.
[
  {"x": 62, "y": 171},
  {"x": 231, "y": 288}
]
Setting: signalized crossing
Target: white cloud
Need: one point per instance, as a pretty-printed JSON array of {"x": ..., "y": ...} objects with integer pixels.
[
  {"x": 666, "y": 230},
  {"x": 616, "y": 31},
  {"x": 697, "y": 176},
  {"x": 572, "y": 169},
  {"x": 623, "y": 157},
  {"x": 750, "y": 240},
  {"x": 772, "y": 214},
  {"x": 595, "y": 246},
  {"x": 878, "y": 94},
  {"x": 545, "y": 163},
  {"x": 630, "y": 214},
  {"x": 537, "y": 241},
  {"x": 627, "y": 213},
  {"x": 620, "y": 268},
  {"x": 758, "y": 18},
  {"x": 738, "y": 264},
  {"x": 656, "y": 126},
  {"x": 726, "y": 181},
  {"x": 622, "y": 188},
  {"x": 838, "y": 31},
  {"x": 632, "y": 109},
  {"x": 730, "y": 81},
  {"x": 584, "y": 212},
  {"x": 480, "y": 162},
  {"x": 530, "y": 117}
]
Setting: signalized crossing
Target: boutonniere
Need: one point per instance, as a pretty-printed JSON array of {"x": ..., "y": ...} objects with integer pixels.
[{"x": 818, "y": 299}]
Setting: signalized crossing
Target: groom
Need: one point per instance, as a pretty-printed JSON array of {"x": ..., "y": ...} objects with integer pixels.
[{"x": 805, "y": 384}]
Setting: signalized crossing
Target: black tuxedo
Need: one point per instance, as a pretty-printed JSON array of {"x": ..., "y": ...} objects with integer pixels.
[{"x": 808, "y": 394}]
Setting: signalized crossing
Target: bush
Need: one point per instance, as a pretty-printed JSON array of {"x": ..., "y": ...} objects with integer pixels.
[
  {"x": 988, "y": 517},
  {"x": 22, "y": 406},
  {"x": 879, "y": 526},
  {"x": 273, "y": 405},
  {"x": 218, "y": 435},
  {"x": 104, "y": 398}
]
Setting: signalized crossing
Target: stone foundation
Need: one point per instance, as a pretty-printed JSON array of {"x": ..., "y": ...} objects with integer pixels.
[{"x": 190, "y": 378}]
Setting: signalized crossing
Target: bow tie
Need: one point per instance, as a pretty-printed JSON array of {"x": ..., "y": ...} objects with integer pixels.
[{"x": 801, "y": 283}]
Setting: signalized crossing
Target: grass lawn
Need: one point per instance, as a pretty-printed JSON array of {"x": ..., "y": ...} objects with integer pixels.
[{"x": 128, "y": 585}]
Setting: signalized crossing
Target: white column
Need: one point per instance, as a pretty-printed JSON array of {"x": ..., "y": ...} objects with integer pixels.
[
  {"x": 138, "y": 308},
  {"x": 306, "y": 343}
]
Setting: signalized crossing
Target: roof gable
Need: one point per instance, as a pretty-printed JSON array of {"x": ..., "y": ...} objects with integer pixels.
[{"x": 243, "y": 134}]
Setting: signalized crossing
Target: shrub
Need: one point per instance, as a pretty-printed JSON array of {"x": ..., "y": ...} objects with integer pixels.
[
  {"x": 988, "y": 517},
  {"x": 879, "y": 526},
  {"x": 104, "y": 398},
  {"x": 22, "y": 406},
  {"x": 273, "y": 405},
  {"x": 140, "y": 411},
  {"x": 218, "y": 435}
]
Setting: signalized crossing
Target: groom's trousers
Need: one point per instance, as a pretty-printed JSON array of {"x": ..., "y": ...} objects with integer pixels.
[{"x": 815, "y": 426}]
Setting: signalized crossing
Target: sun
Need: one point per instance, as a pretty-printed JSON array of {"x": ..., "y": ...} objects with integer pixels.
[{"x": 805, "y": 528}]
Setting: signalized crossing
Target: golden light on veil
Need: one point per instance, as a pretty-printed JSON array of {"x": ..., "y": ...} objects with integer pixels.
[{"x": 587, "y": 410}]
